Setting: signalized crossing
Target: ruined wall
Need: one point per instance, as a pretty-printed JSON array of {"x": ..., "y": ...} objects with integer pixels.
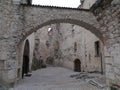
[
  {"x": 46, "y": 43},
  {"x": 109, "y": 19},
  {"x": 84, "y": 49},
  {"x": 41, "y": 37},
  {"x": 17, "y": 21},
  {"x": 59, "y": 44}
]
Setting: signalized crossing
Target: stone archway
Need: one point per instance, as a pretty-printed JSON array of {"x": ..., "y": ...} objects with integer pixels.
[
  {"x": 25, "y": 65},
  {"x": 36, "y": 17},
  {"x": 33, "y": 18},
  {"x": 77, "y": 65},
  {"x": 22, "y": 20}
]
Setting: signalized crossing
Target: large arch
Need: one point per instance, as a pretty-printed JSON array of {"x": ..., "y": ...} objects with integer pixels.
[
  {"x": 85, "y": 25},
  {"x": 20, "y": 20},
  {"x": 31, "y": 18},
  {"x": 35, "y": 17}
]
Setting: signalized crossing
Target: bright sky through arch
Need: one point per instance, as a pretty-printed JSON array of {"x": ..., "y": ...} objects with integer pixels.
[{"x": 60, "y": 3}]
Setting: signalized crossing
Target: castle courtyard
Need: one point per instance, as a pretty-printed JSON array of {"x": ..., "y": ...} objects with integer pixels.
[{"x": 55, "y": 78}]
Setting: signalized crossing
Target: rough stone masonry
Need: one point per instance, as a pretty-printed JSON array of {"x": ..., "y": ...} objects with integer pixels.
[{"x": 18, "y": 20}]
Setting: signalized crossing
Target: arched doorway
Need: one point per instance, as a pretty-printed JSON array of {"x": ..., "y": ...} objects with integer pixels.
[
  {"x": 25, "y": 65},
  {"x": 77, "y": 65}
]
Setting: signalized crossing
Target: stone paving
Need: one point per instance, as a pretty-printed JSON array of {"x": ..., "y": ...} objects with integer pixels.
[{"x": 53, "y": 78}]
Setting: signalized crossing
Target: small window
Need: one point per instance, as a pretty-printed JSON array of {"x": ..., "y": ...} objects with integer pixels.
[
  {"x": 97, "y": 48},
  {"x": 75, "y": 46},
  {"x": 18, "y": 73}
]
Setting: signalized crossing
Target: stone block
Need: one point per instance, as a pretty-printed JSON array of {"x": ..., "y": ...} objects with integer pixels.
[
  {"x": 11, "y": 74},
  {"x": 110, "y": 75},
  {"x": 107, "y": 51},
  {"x": 117, "y": 70},
  {"x": 117, "y": 78},
  {"x": 3, "y": 55},
  {"x": 109, "y": 68},
  {"x": 109, "y": 60},
  {"x": 116, "y": 60}
]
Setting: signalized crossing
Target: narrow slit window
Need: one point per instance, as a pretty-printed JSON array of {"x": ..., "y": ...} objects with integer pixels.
[{"x": 97, "y": 48}]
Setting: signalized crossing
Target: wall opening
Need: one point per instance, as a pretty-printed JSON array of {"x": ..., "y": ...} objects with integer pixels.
[
  {"x": 25, "y": 66},
  {"x": 77, "y": 65},
  {"x": 97, "y": 48}
]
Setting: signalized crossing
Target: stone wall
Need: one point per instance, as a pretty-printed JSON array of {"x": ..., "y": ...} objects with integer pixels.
[
  {"x": 20, "y": 51},
  {"x": 61, "y": 40},
  {"x": 18, "y": 21},
  {"x": 8, "y": 24},
  {"x": 109, "y": 20},
  {"x": 47, "y": 43},
  {"x": 84, "y": 49}
]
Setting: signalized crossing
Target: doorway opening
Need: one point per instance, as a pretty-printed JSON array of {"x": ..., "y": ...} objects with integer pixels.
[
  {"x": 25, "y": 66},
  {"x": 77, "y": 65}
]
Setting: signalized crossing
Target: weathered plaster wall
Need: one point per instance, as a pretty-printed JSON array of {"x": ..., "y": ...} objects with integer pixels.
[
  {"x": 63, "y": 53},
  {"x": 40, "y": 43},
  {"x": 85, "y": 48},
  {"x": 45, "y": 42},
  {"x": 94, "y": 62}
]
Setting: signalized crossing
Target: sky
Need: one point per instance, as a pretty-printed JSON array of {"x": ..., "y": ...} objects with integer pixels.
[{"x": 61, "y": 3}]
